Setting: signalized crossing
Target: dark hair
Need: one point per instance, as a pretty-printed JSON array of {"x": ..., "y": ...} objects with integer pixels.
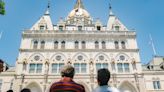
[
  {"x": 103, "y": 76},
  {"x": 67, "y": 71},
  {"x": 25, "y": 90},
  {"x": 9, "y": 91}
]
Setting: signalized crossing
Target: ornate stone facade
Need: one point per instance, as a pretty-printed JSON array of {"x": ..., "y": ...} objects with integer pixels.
[{"x": 86, "y": 45}]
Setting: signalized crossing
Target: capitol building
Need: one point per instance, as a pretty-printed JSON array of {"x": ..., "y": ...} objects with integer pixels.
[{"x": 86, "y": 44}]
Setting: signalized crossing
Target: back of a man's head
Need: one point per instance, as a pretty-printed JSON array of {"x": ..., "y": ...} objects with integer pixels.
[
  {"x": 10, "y": 91},
  {"x": 103, "y": 76},
  {"x": 25, "y": 90},
  {"x": 67, "y": 71}
]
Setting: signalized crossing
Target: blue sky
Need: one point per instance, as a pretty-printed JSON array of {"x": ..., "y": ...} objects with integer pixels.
[{"x": 145, "y": 16}]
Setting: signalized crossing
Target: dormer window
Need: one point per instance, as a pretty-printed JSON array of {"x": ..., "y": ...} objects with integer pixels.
[
  {"x": 117, "y": 28},
  {"x": 42, "y": 27},
  {"x": 79, "y": 28},
  {"x": 98, "y": 28},
  {"x": 60, "y": 28}
]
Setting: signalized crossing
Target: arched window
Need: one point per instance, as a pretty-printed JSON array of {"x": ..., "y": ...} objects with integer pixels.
[
  {"x": 123, "y": 67},
  {"x": 98, "y": 28},
  {"x": 117, "y": 28},
  {"x": 60, "y": 28},
  {"x": 42, "y": 44},
  {"x": 116, "y": 45},
  {"x": 123, "y": 45},
  {"x": 35, "y": 45},
  {"x": 83, "y": 45},
  {"x": 56, "y": 44},
  {"x": 96, "y": 45},
  {"x": 79, "y": 28},
  {"x": 101, "y": 65},
  {"x": 55, "y": 68},
  {"x": 63, "y": 45},
  {"x": 76, "y": 45},
  {"x": 35, "y": 68},
  {"x": 80, "y": 67},
  {"x": 103, "y": 45}
]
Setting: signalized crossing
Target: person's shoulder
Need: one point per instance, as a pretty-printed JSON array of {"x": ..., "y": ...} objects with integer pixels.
[{"x": 114, "y": 89}]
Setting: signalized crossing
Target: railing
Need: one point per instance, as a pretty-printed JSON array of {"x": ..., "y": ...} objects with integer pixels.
[
  {"x": 49, "y": 33},
  {"x": 79, "y": 32}
]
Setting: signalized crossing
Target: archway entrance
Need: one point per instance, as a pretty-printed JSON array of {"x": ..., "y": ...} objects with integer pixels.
[
  {"x": 34, "y": 87},
  {"x": 127, "y": 87}
]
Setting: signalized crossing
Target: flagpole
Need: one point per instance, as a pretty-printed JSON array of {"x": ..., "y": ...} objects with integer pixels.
[{"x": 152, "y": 44}]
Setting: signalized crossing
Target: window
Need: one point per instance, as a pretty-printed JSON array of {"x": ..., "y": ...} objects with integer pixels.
[
  {"x": 79, "y": 28},
  {"x": 80, "y": 67},
  {"x": 35, "y": 46},
  {"x": 32, "y": 68},
  {"x": 56, "y": 67},
  {"x": 83, "y": 68},
  {"x": 76, "y": 45},
  {"x": 123, "y": 45},
  {"x": 83, "y": 45},
  {"x": 0, "y": 84},
  {"x": 123, "y": 67},
  {"x": 56, "y": 45},
  {"x": 60, "y": 28},
  {"x": 101, "y": 65},
  {"x": 116, "y": 45},
  {"x": 117, "y": 28},
  {"x": 120, "y": 67},
  {"x": 38, "y": 68},
  {"x": 103, "y": 45},
  {"x": 42, "y": 44},
  {"x": 77, "y": 67},
  {"x": 63, "y": 45},
  {"x": 35, "y": 68},
  {"x": 96, "y": 45},
  {"x": 42, "y": 27},
  {"x": 156, "y": 85},
  {"x": 98, "y": 28},
  {"x": 126, "y": 67}
]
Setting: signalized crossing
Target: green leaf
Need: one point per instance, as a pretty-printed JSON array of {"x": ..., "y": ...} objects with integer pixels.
[{"x": 2, "y": 8}]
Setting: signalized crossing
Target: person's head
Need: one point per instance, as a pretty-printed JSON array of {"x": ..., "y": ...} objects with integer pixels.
[
  {"x": 10, "y": 91},
  {"x": 25, "y": 90},
  {"x": 103, "y": 76},
  {"x": 67, "y": 71}
]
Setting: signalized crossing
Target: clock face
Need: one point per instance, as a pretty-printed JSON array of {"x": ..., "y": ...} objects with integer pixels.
[
  {"x": 36, "y": 58},
  {"x": 58, "y": 58}
]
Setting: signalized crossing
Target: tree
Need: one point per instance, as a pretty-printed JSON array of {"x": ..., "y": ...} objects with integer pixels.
[{"x": 2, "y": 7}]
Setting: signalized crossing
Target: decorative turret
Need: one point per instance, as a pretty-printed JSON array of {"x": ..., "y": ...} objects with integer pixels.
[
  {"x": 44, "y": 23},
  {"x": 114, "y": 24}
]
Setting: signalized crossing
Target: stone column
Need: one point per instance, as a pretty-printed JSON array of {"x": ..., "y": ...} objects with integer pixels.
[
  {"x": 91, "y": 70},
  {"x": 46, "y": 71}
]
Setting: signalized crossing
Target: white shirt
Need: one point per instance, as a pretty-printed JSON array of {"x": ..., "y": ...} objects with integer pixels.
[{"x": 105, "y": 88}]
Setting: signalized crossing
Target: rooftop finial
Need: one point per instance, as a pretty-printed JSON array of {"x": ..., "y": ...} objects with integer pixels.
[
  {"x": 79, "y": 4},
  {"x": 48, "y": 7},
  {"x": 110, "y": 8}
]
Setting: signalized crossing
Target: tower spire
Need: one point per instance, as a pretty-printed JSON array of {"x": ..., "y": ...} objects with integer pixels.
[
  {"x": 48, "y": 8},
  {"x": 110, "y": 8},
  {"x": 78, "y": 4}
]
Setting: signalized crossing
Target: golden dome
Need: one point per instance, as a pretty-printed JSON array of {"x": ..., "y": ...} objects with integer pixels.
[{"x": 78, "y": 12}]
